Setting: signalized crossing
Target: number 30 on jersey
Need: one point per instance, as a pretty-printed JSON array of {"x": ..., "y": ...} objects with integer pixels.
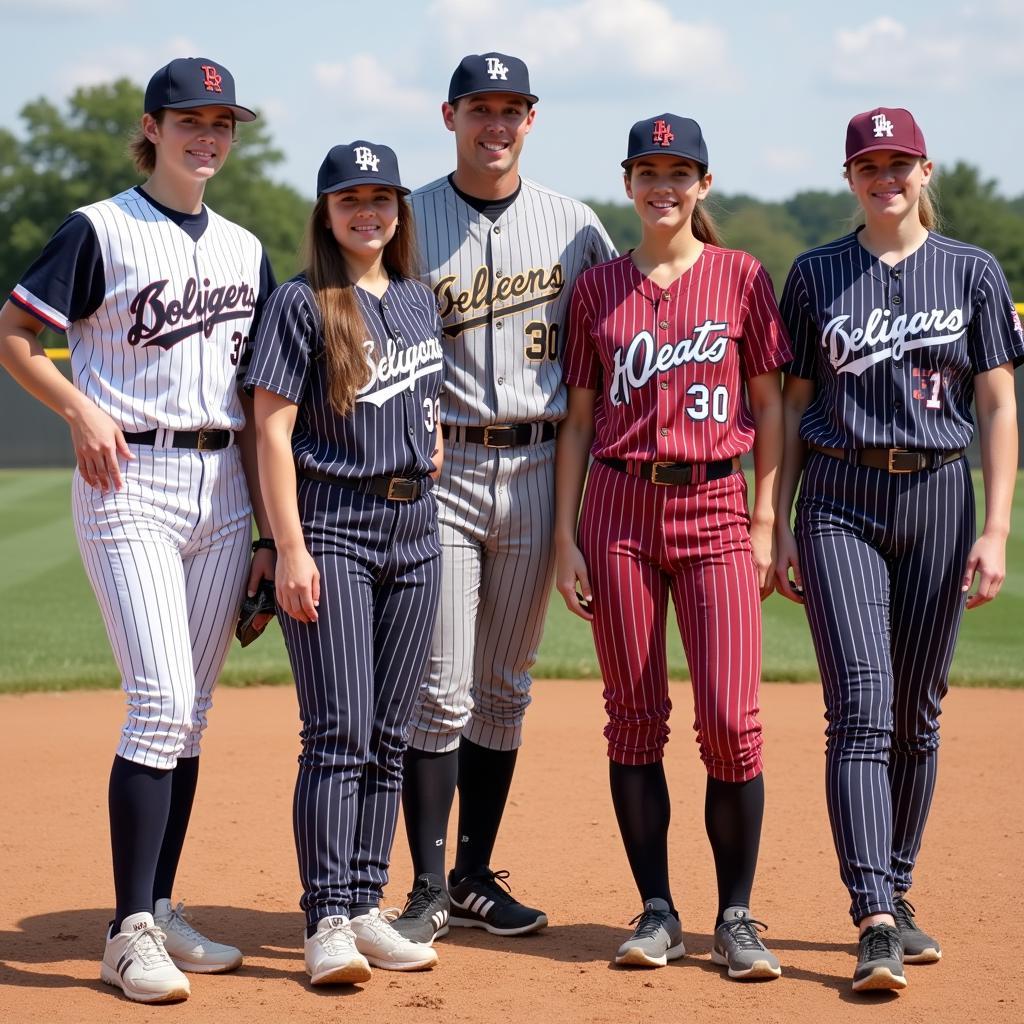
[{"x": 704, "y": 402}]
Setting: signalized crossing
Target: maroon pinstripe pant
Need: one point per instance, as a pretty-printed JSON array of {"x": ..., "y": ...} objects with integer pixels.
[{"x": 641, "y": 542}]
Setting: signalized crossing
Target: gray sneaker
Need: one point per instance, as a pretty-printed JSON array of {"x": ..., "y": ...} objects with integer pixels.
[
  {"x": 879, "y": 960},
  {"x": 918, "y": 946},
  {"x": 658, "y": 937},
  {"x": 738, "y": 947},
  {"x": 426, "y": 912}
]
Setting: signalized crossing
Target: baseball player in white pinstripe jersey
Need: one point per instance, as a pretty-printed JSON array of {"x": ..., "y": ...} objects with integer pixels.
[
  {"x": 501, "y": 254},
  {"x": 157, "y": 296}
]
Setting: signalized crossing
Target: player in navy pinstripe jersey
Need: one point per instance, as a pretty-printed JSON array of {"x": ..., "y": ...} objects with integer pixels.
[
  {"x": 896, "y": 331},
  {"x": 672, "y": 364},
  {"x": 157, "y": 296},
  {"x": 347, "y": 369}
]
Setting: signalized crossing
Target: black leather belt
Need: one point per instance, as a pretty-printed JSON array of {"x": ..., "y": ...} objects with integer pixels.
[
  {"x": 201, "y": 440},
  {"x": 892, "y": 460},
  {"x": 675, "y": 472},
  {"x": 394, "y": 488},
  {"x": 500, "y": 435}
]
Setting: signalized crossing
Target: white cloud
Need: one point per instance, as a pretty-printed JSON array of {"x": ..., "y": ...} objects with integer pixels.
[
  {"x": 135, "y": 62},
  {"x": 369, "y": 84},
  {"x": 588, "y": 40},
  {"x": 886, "y": 56},
  {"x": 781, "y": 158}
]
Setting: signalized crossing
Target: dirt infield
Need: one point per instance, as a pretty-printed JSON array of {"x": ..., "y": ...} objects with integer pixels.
[{"x": 561, "y": 846}]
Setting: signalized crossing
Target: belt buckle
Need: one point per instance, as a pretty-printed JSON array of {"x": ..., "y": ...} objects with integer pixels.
[
  {"x": 656, "y": 467},
  {"x": 895, "y": 455},
  {"x": 401, "y": 489},
  {"x": 203, "y": 440},
  {"x": 488, "y": 443}
]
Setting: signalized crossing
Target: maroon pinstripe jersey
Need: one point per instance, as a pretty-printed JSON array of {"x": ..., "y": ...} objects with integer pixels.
[{"x": 668, "y": 364}]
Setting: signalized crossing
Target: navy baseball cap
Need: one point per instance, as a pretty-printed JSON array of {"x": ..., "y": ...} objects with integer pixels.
[
  {"x": 884, "y": 128},
  {"x": 359, "y": 163},
  {"x": 189, "y": 82},
  {"x": 490, "y": 72},
  {"x": 667, "y": 133}
]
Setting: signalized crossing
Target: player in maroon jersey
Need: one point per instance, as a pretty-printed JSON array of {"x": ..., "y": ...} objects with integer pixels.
[{"x": 673, "y": 364}]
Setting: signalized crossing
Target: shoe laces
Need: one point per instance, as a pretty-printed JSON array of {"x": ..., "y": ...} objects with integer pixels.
[
  {"x": 881, "y": 942},
  {"x": 650, "y": 922},
  {"x": 338, "y": 938},
  {"x": 420, "y": 900},
  {"x": 380, "y": 922},
  {"x": 743, "y": 931},
  {"x": 498, "y": 884},
  {"x": 905, "y": 912},
  {"x": 148, "y": 944},
  {"x": 178, "y": 923}
]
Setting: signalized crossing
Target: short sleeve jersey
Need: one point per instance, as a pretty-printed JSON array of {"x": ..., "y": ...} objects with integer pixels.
[
  {"x": 392, "y": 429},
  {"x": 503, "y": 289},
  {"x": 158, "y": 307},
  {"x": 669, "y": 364},
  {"x": 893, "y": 350}
]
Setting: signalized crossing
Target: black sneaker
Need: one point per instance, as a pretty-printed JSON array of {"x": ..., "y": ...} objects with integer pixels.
[
  {"x": 479, "y": 901},
  {"x": 918, "y": 946},
  {"x": 880, "y": 960},
  {"x": 427, "y": 908}
]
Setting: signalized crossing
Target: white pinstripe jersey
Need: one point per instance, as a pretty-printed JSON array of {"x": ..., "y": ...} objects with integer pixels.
[
  {"x": 503, "y": 293},
  {"x": 162, "y": 349}
]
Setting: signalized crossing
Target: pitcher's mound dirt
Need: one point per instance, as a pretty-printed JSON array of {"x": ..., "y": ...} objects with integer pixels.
[{"x": 560, "y": 843}]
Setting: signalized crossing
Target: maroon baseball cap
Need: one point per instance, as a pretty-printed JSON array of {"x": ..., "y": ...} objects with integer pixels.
[{"x": 884, "y": 128}]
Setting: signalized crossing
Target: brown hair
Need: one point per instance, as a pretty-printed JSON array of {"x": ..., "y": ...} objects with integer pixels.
[
  {"x": 143, "y": 152},
  {"x": 344, "y": 329},
  {"x": 702, "y": 223}
]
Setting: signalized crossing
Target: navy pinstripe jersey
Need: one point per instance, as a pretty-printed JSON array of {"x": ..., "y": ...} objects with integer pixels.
[
  {"x": 894, "y": 350},
  {"x": 392, "y": 429}
]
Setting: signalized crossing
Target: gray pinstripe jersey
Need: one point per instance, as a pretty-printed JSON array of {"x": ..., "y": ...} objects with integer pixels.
[{"x": 503, "y": 293}]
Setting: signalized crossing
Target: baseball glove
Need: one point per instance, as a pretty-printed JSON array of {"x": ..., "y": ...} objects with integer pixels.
[{"x": 261, "y": 603}]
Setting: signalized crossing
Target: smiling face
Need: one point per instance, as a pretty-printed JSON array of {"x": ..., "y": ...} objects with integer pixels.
[
  {"x": 888, "y": 183},
  {"x": 191, "y": 144},
  {"x": 363, "y": 220},
  {"x": 490, "y": 129},
  {"x": 665, "y": 189}
]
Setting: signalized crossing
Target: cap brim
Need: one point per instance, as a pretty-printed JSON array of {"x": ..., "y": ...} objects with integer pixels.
[
  {"x": 241, "y": 113},
  {"x": 487, "y": 92},
  {"x": 661, "y": 151},
  {"x": 367, "y": 180},
  {"x": 894, "y": 149}
]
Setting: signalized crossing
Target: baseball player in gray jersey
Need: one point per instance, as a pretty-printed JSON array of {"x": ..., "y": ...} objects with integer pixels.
[{"x": 501, "y": 254}]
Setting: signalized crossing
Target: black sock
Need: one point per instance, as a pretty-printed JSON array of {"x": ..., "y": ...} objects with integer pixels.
[
  {"x": 428, "y": 790},
  {"x": 484, "y": 780},
  {"x": 184, "y": 777},
  {"x": 643, "y": 811},
  {"x": 139, "y": 800},
  {"x": 732, "y": 817}
]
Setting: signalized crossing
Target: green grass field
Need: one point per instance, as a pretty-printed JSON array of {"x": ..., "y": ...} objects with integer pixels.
[{"x": 53, "y": 637}]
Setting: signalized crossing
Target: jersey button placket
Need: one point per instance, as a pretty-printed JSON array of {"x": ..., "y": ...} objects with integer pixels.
[{"x": 502, "y": 358}]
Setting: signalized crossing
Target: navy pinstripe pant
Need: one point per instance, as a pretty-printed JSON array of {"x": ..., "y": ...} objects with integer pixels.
[
  {"x": 882, "y": 558},
  {"x": 357, "y": 671}
]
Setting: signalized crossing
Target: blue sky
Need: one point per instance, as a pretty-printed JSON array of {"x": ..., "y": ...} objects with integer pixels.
[{"x": 772, "y": 84}]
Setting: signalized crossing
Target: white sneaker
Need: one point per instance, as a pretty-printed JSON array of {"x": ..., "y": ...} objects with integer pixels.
[
  {"x": 331, "y": 954},
  {"x": 190, "y": 950},
  {"x": 136, "y": 962},
  {"x": 386, "y": 948}
]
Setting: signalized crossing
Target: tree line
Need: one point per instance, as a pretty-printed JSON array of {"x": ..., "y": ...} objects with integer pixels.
[{"x": 67, "y": 158}]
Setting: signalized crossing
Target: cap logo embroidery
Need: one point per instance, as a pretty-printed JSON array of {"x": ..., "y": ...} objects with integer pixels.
[
  {"x": 496, "y": 70},
  {"x": 365, "y": 158},
  {"x": 662, "y": 133},
  {"x": 883, "y": 126},
  {"x": 211, "y": 78}
]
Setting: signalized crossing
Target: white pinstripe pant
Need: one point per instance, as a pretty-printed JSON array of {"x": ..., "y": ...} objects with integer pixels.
[
  {"x": 167, "y": 557},
  {"x": 495, "y": 516}
]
